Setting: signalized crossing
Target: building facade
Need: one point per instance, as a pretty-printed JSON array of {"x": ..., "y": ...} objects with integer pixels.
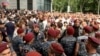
[{"x": 29, "y": 4}]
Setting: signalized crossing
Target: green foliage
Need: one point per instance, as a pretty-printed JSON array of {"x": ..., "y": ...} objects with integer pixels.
[{"x": 76, "y": 5}]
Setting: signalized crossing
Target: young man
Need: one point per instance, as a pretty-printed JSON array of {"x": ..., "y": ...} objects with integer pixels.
[
  {"x": 56, "y": 50},
  {"x": 80, "y": 49},
  {"x": 92, "y": 46},
  {"x": 27, "y": 47},
  {"x": 68, "y": 42},
  {"x": 18, "y": 41},
  {"x": 5, "y": 50}
]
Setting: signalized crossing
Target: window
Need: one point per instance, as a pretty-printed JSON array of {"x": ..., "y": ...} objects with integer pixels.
[
  {"x": 18, "y": 4},
  {"x": 30, "y": 4}
]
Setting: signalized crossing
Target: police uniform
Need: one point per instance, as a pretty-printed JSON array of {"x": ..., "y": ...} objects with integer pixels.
[
  {"x": 82, "y": 48},
  {"x": 69, "y": 42},
  {"x": 17, "y": 42},
  {"x": 45, "y": 46},
  {"x": 39, "y": 38},
  {"x": 57, "y": 49},
  {"x": 33, "y": 53},
  {"x": 27, "y": 47},
  {"x": 97, "y": 35},
  {"x": 94, "y": 44}
]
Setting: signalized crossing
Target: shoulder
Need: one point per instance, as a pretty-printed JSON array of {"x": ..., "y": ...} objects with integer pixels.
[{"x": 82, "y": 37}]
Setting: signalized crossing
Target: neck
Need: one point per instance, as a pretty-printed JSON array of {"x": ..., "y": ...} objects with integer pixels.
[
  {"x": 92, "y": 51},
  {"x": 20, "y": 36}
]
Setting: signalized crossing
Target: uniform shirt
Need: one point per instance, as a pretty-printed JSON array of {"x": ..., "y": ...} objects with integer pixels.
[
  {"x": 68, "y": 44},
  {"x": 95, "y": 54},
  {"x": 82, "y": 48},
  {"x": 45, "y": 47},
  {"x": 98, "y": 49},
  {"x": 16, "y": 43},
  {"x": 26, "y": 48},
  {"x": 39, "y": 36},
  {"x": 37, "y": 45},
  {"x": 83, "y": 37}
]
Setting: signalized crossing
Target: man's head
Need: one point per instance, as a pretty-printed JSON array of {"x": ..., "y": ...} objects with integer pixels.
[
  {"x": 36, "y": 28},
  {"x": 56, "y": 48},
  {"x": 70, "y": 30},
  {"x": 20, "y": 32},
  {"x": 94, "y": 42},
  {"x": 87, "y": 29},
  {"x": 5, "y": 50},
  {"x": 29, "y": 38},
  {"x": 77, "y": 22}
]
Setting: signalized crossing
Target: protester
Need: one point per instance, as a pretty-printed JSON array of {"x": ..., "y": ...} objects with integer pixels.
[{"x": 36, "y": 30}]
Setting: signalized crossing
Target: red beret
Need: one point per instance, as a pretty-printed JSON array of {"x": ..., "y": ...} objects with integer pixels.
[
  {"x": 94, "y": 40},
  {"x": 51, "y": 32},
  {"x": 57, "y": 47},
  {"x": 3, "y": 46},
  {"x": 70, "y": 30},
  {"x": 28, "y": 37},
  {"x": 33, "y": 53},
  {"x": 95, "y": 27},
  {"x": 88, "y": 29},
  {"x": 97, "y": 34},
  {"x": 20, "y": 30},
  {"x": 35, "y": 25}
]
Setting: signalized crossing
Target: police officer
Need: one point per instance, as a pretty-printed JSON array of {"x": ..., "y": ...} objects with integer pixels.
[
  {"x": 80, "y": 49},
  {"x": 28, "y": 41},
  {"x": 69, "y": 42},
  {"x": 52, "y": 37},
  {"x": 18, "y": 41},
  {"x": 39, "y": 37},
  {"x": 56, "y": 49},
  {"x": 97, "y": 35},
  {"x": 5, "y": 50},
  {"x": 92, "y": 46}
]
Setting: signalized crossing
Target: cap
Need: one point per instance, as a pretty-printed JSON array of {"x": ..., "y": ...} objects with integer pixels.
[
  {"x": 70, "y": 30},
  {"x": 28, "y": 37},
  {"x": 51, "y": 32},
  {"x": 33, "y": 53},
  {"x": 20, "y": 30},
  {"x": 3, "y": 47},
  {"x": 94, "y": 40},
  {"x": 57, "y": 47},
  {"x": 88, "y": 29},
  {"x": 97, "y": 34}
]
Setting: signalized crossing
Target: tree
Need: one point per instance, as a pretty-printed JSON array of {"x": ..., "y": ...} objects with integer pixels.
[
  {"x": 77, "y": 5},
  {"x": 59, "y": 5}
]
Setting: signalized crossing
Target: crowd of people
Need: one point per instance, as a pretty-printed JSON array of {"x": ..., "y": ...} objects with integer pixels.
[{"x": 43, "y": 33}]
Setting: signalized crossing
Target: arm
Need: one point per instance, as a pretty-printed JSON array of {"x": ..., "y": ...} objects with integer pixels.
[{"x": 76, "y": 49}]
